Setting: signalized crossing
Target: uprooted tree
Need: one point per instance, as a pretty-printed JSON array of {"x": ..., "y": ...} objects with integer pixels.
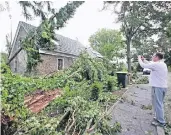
[
  {"x": 83, "y": 108},
  {"x": 44, "y": 35}
]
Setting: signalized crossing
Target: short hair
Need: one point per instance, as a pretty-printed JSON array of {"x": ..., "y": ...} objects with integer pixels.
[{"x": 159, "y": 55}]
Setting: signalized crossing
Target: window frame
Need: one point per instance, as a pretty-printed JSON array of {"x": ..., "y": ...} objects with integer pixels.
[{"x": 62, "y": 63}]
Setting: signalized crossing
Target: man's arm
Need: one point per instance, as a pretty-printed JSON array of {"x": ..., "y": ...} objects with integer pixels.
[
  {"x": 146, "y": 61},
  {"x": 146, "y": 64}
]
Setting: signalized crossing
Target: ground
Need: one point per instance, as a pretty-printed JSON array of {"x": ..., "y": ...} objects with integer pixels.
[
  {"x": 134, "y": 111},
  {"x": 168, "y": 106}
]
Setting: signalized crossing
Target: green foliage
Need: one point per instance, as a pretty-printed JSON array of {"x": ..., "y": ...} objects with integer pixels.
[
  {"x": 167, "y": 57},
  {"x": 82, "y": 102},
  {"x": 142, "y": 80},
  {"x": 138, "y": 19},
  {"x": 111, "y": 83},
  {"x": 168, "y": 32},
  {"x": 15, "y": 87},
  {"x": 65, "y": 13},
  {"x": 4, "y": 57},
  {"x": 106, "y": 97},
  {"x": 107, "y": 42},
  {"x": 8, "y": 44},
  {"x": 107, "y": 129},
  {"x": 122, "y": 67},
  {"x": 169, "y": 68},
  {"x": 37, "y": 8},
  {"x": 12, "y": 93},
  {"x": 38, "y": 125},
  {"x": 42, "y": 39},
  {"x": 167, "y": 129},
  {"x": 88, "y": 68},
  {"x": 95, "y": 90}
]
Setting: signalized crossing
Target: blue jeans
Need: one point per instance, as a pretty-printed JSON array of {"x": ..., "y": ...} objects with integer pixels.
[{"x": 158, "y": 95}]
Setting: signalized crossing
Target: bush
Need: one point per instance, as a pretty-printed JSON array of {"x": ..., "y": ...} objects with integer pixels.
[
  {"x": 95, "y": 90},
  {"x": 110, "y": 84},
  {"x": 169, "y": 68},
  {"x": 142, "y": 80}
]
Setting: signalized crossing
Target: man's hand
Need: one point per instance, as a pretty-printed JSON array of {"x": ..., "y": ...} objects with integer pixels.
[{"x": 141, "y": 57}]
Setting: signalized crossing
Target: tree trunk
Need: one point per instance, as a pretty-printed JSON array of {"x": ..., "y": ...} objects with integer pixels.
[
  {"x": 129, "y": 59},
  {"x": 129, "y": 55},
  {"x": 19, "y": 50}
]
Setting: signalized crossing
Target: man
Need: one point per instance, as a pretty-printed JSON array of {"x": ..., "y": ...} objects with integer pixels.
[{"x": 158, "y": 81}]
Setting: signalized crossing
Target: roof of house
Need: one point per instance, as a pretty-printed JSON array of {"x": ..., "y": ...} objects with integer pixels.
[
  {"x": 65, "y": 44},
  {"x": 27, "y": 27}
]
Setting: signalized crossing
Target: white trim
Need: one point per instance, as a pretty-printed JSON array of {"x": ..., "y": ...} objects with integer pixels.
[
  {"x": 24, "y": 28},
  {"x": 62, "y": 65},
  {"x": 16, "y": 35},
  {"x": 15, "y": 38},
  {"x": 56, "y": 53}
]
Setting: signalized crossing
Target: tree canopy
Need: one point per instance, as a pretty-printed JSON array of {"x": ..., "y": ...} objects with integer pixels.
[
  {"x": 107, "y": 41},
  {"x": 168, "y": 32},
  {"x": 141, "y": 19}
]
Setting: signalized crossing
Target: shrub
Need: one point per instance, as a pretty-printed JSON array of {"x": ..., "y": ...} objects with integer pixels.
[
  {"x": 110, "y": 84},
  {"x": 95, "y": 90}
]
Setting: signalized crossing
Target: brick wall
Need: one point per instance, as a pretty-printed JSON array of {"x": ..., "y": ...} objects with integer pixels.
[
  {"x": 68, "y": 61},
  {"x": 49, "y": 64}
]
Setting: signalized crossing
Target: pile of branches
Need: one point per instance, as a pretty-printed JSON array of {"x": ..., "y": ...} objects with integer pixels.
[
  {"x": 81, "y": 117},
  {"x": 82, "y": 109}
]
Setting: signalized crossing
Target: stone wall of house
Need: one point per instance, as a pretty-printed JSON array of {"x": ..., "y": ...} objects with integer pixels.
[
  {"x": 18, "y": 64},
  {"x": 22, "y": 62},
  {"x": 68, "y": 61},
  {"x": 49, "y": 64}
]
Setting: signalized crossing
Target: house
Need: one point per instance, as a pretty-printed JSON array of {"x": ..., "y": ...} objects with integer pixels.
[{"x": 67, "y": 50}]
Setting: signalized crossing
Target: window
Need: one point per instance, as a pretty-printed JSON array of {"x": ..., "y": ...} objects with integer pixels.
[{"x": 60, "y": 64}]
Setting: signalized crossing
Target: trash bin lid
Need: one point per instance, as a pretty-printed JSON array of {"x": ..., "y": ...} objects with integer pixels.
[{"x": 121, "y": 72}]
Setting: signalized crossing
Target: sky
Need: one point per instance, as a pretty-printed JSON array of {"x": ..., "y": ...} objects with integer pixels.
[{"x": 87, "y": 20}]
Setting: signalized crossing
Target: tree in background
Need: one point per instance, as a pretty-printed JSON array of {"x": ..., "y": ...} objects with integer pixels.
[
  {"x": 167, "y": 55},
  {"x": 168, "y": 32},
  {"x": 140, "y": 20},
  {"x": 8, "y": 44},
  {"x": 4, "y": 57},
  {"x": 4, "y": 7},
  {"x": 108, "y": 42}
]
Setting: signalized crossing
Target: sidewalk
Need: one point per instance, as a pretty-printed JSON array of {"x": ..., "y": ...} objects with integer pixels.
[
  {"x": 168, "y": 106},
  {"x": 134, "y": 112}
]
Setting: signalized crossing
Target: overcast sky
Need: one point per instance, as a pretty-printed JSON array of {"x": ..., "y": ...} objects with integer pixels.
[{"x": 86, "y": 21}]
